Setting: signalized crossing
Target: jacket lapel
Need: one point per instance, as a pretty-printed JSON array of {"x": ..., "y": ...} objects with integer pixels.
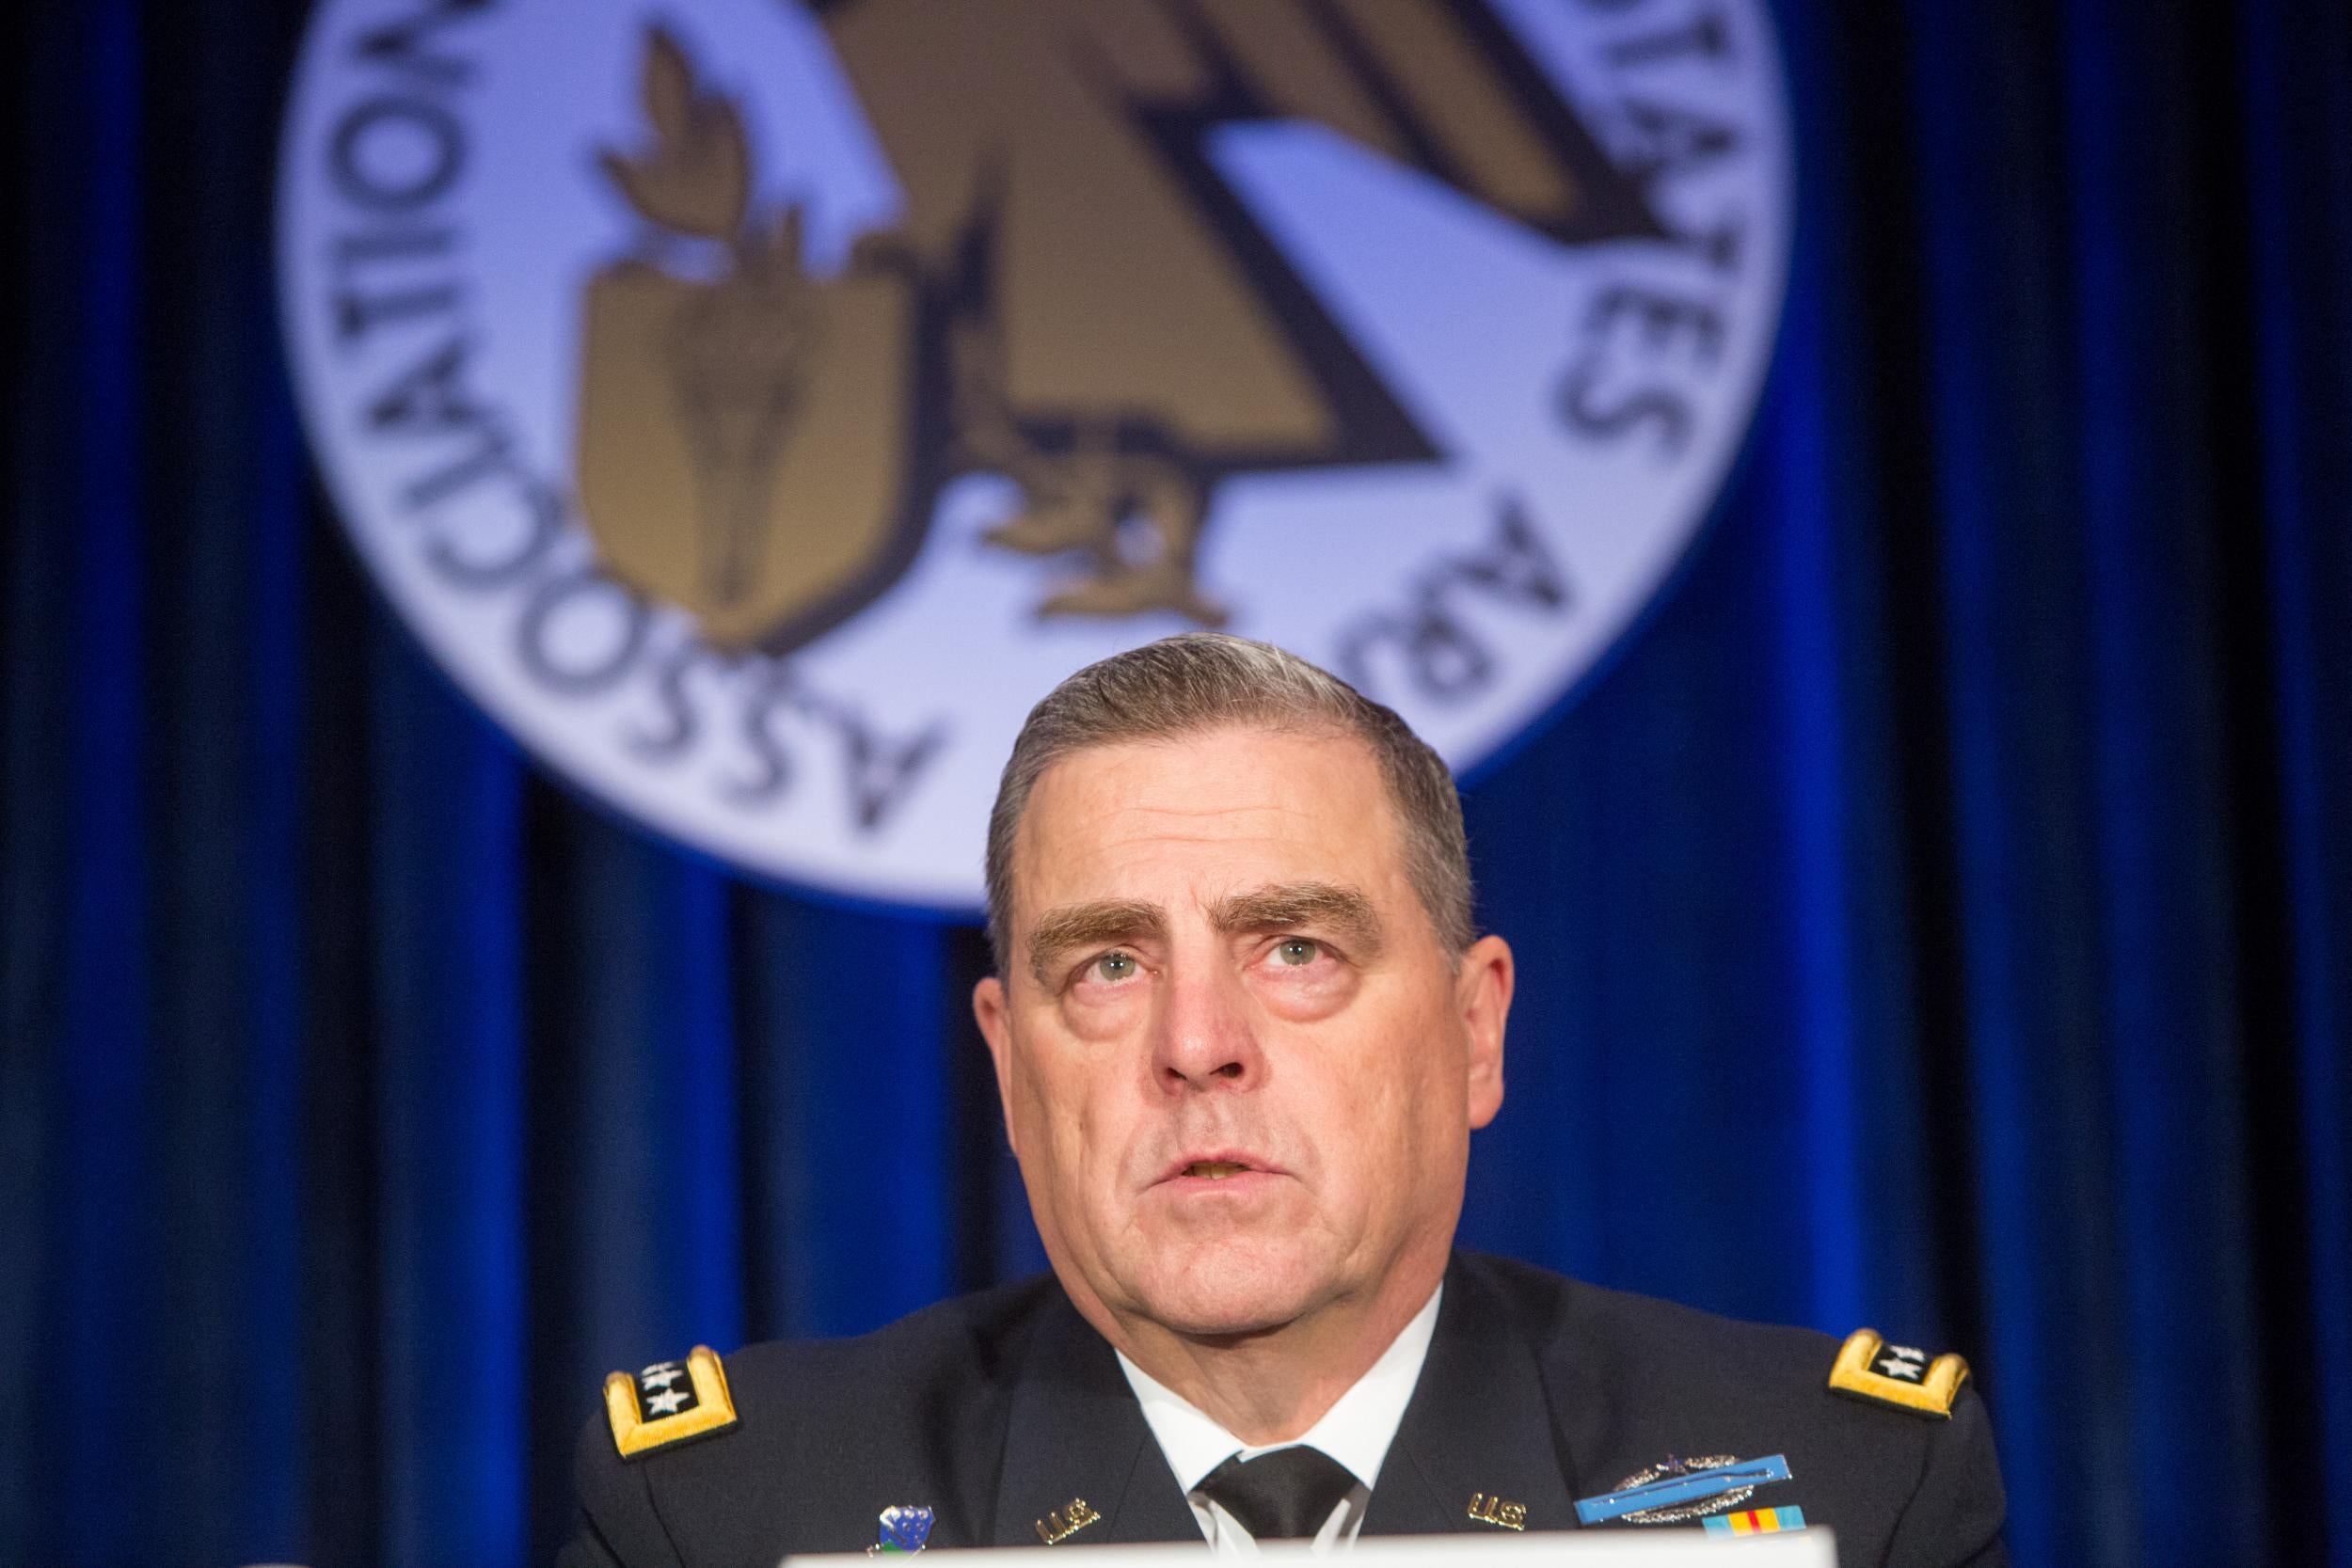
[
  {"x": 1076, "y": 1435},
  {"x": 1479, "y": 1424}
]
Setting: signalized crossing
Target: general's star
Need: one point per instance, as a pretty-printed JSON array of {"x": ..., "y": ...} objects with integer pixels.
[
  {"x": 1906, "y": 1352},
  {"x": 658, "y": 1377},
  {"x": 665, "y": 1404},
  {"x": 1898, "y": 1369}
]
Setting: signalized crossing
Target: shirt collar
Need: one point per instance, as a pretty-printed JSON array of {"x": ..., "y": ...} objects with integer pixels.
[{"x": 1356, "y": 1431}]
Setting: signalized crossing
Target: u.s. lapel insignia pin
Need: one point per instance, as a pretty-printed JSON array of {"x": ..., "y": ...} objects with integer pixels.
[
  {"x": 903, "y": 1527},
  {"x": 1487, "y": 1509},
  {"x": 1066, "y": 1521},
  {"x": 1674, "y": 1489}
]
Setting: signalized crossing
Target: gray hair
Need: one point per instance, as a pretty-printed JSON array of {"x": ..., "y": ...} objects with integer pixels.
[{"x": 1205, "y": 680}]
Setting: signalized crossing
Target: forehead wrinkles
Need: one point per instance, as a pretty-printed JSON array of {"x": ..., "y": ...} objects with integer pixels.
[
  {"x": 1332, "y": 802},
  {"x": 1222, "y": 822}
]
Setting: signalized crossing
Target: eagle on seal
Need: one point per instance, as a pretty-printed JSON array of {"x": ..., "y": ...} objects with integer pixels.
[{"x": 1070, "y": 295}]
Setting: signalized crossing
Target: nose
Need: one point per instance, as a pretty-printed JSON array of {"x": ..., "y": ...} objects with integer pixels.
[{"x": 1204, "y": 1038}]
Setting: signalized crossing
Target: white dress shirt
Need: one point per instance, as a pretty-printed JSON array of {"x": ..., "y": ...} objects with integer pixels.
[{"x": 1356, "y": 1431}]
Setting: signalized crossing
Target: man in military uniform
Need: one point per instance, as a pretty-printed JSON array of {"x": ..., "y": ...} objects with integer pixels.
[{"x": 1242, "y": 1029}]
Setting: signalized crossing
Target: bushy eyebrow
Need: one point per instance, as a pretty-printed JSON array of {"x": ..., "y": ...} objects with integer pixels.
[
  {"x": 1110, "y": 920},
  {"x": 1292, "y": 904},
  {"x": 1287, "y": 906}
]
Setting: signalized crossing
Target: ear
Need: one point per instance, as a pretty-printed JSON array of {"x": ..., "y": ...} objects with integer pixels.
[
  {"x": 1481, "y": 999},
  {"x": 992, "y": 1010}
]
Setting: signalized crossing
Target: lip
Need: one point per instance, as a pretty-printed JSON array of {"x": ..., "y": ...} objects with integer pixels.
[{"x": 1256, "y": 1169}]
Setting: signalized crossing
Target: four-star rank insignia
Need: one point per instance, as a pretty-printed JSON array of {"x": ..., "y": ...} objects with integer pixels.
[
  {"x": 1870, "y": 1369},
  {"x": 668, "y": 1403}
]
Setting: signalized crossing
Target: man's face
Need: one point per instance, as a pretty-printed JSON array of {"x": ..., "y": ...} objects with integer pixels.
[{"x": 1239, "y": 1069}]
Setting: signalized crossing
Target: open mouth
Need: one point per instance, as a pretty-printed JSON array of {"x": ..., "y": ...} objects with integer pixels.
[{"x": 1217, "y": 1165}]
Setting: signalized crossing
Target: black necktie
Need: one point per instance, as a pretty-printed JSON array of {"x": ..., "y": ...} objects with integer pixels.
[{"x": 1283, "y": 1496}]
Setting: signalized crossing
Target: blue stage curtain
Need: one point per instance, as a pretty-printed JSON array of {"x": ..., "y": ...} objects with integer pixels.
[{"x": 1938, "y": 915}]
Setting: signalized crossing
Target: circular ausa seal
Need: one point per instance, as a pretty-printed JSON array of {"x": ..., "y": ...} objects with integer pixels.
[{"x": 756, "y": 405}]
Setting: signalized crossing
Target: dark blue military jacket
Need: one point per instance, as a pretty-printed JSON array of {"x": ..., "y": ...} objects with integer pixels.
[{"x": 999, "y": 1411}]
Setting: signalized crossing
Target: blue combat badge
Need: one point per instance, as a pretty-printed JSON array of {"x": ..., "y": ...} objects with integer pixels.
[
  {"x": 904, "y": 1527},
  {"x": 1675, "y": 1490}
]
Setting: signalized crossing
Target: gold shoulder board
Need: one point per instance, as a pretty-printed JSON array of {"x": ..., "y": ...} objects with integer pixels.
[
  {"x": 1870, "y": 1369},
  {"x": 668, "y": 1403}
]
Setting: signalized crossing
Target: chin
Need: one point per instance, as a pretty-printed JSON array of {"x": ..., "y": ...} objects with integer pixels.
[{"x": 1223, "y": 1288}]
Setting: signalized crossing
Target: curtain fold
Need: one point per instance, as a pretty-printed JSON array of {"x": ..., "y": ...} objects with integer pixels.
[
  {"x": 1937, "y": 914},
  {"x": 2296, "y": 74}
]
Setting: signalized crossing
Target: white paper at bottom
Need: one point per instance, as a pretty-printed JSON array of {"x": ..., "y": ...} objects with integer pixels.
[{"x": 1666, "y": 1547}]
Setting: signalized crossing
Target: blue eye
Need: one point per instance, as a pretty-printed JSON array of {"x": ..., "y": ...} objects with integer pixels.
[
  {"x": 1299, "y": 952},
  {"x": 1115, "y": 966}
]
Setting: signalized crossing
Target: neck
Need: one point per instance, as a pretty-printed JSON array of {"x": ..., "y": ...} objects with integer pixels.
[{"x": 1271, "y": 1385}]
